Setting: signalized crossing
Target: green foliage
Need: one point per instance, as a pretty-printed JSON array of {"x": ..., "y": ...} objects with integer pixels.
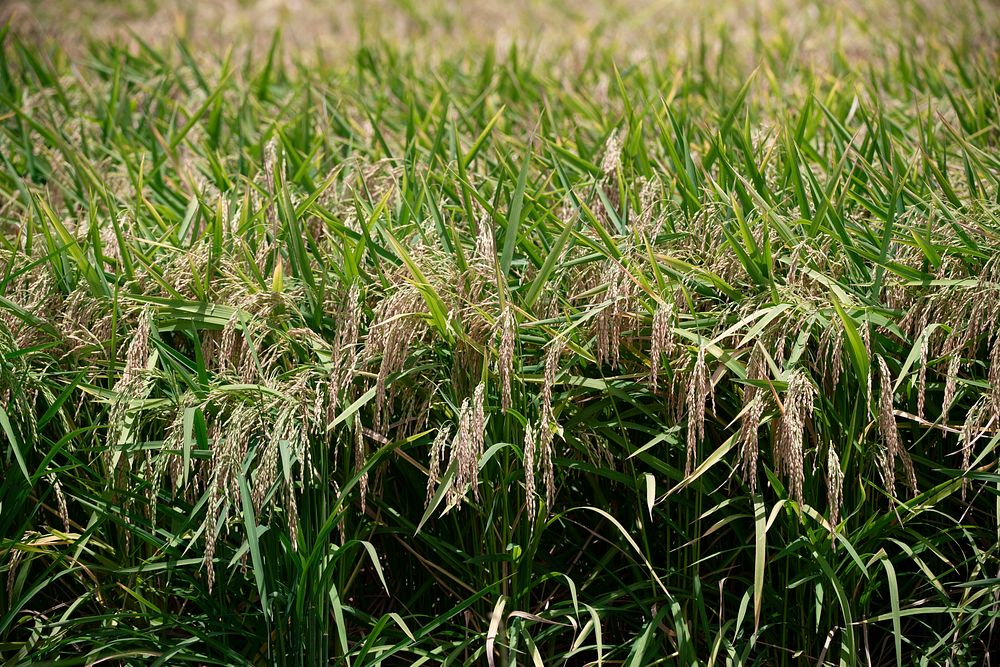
[{"x": 485, "y": 360}]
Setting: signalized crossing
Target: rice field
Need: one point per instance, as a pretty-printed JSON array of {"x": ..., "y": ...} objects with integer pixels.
[{"x": 576, "y": 333}]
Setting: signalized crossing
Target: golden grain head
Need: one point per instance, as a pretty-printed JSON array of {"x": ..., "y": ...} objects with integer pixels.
[
  {"x": 893, "y": 445},
  {"x": 753, "y": 412},
  {"x": 530, "y": 490},
  {"x": 612, "y": 154},
  {"x": 505, "y": 355},
  {"x": 436, "y": 459},
  {"x": 950, "y": 385},
  {"x": 662, "y": 341},
  {"x": 834, "y": 486},
  {"x": 699, "y": 390},
  {"x": 360, "y": 456},
  {"x": 789, "y": 445}
]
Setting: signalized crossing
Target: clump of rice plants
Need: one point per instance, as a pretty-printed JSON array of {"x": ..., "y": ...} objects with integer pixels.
[{"x": 552, "y": 351}]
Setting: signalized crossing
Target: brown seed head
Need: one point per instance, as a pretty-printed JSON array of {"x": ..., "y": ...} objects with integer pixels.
[
  {"x": 925, "y": 338},
  {"x": 661, "y": 341},
  {"x": 612, "y": 154},
  {"x": 486, "y": 249},
  {"x": 505, "y": 355},
  {"x": 552, "y": 353},
  {"x": 834, "y": 487},
  {"x": 977, "y": 421},
  {"x": 890, "y": 434},
  {"x": 753, "y": 411},
  {"x": 360, "y": 454},
  {"x": 788, "y": 454},
  {"x": 467, "y": 447},
  {"x": 950, "y": 386},
  {"x": 436, "y": 459},
  {"x": 698, "y": 391},
  {"x": 394, "y": 331},
  {"x": 546, "y": 434},
  {"x": 530, "y": 493},
  {"x": 130, "y": 385}
]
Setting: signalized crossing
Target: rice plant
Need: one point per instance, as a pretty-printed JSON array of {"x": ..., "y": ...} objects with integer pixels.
[{"x": 677, "y": 343}]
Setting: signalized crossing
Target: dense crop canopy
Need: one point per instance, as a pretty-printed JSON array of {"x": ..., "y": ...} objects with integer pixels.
[{"x": 553, "y": 353}]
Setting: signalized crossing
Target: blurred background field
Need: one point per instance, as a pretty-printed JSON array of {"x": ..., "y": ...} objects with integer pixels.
[{"x": 630, "y": 29}]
